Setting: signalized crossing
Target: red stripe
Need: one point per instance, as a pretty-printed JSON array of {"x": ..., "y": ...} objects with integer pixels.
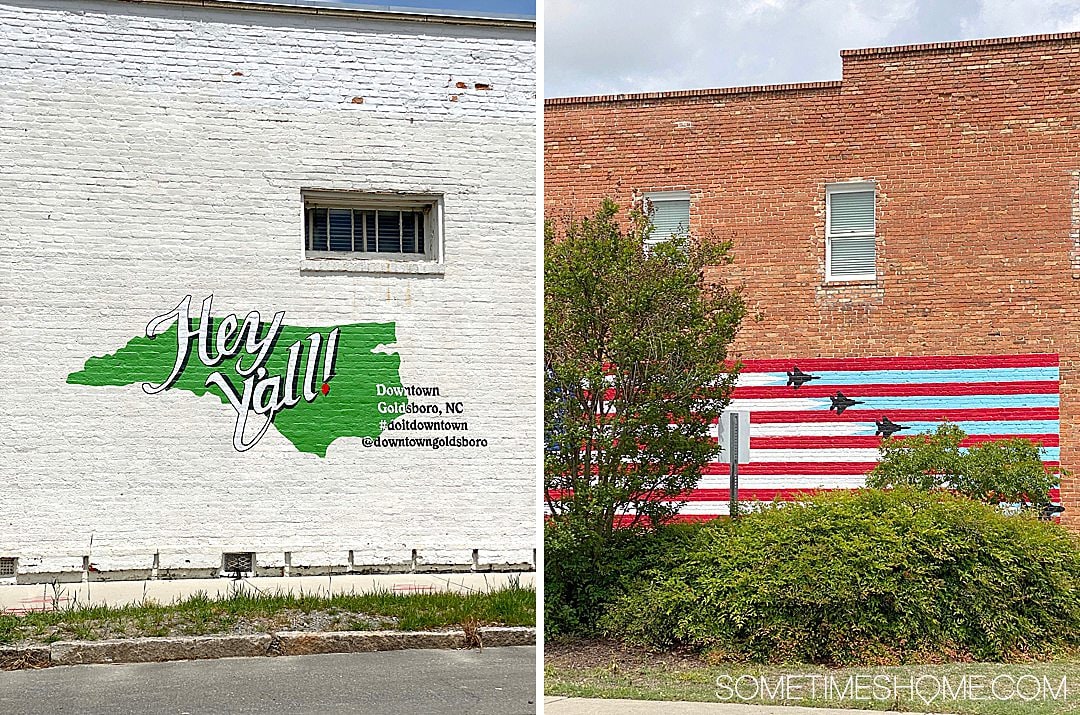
[
  {"x": 811, "y": 389},
  {"x": 783, "y": 494},
  {"x": 750, "y": 494},
  {"x": 784, "y": 468},
  {"x": 723, "y": 495},
  {"x": 950, "y": 362},
  {"x": 686, "y": 518},
  {"x": 623, "y": 520},
  {"x": 799, "y": 468},
  {"x": 908, "y": 389},
  {"x": 837, "y": 442},
  {"x": 899, "y": 416}
]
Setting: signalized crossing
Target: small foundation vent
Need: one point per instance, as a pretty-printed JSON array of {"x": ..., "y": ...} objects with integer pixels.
[
  {"x": 238, "y": 562},
  {"x": 8, "y": 567}
]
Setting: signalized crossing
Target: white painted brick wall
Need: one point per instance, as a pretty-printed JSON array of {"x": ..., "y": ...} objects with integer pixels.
[{"x": 149, "y": 152}]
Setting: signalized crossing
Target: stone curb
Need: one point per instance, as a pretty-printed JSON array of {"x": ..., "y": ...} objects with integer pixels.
[
  {"x": 155, "y": 650},
  {"x": 24, "y": 658},
  {"x": 309, "y": 643}
]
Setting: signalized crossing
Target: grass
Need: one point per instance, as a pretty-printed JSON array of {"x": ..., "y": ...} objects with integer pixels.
[
  {"x": 644, "y": 681},
  {"x": 250, "y": 612}
]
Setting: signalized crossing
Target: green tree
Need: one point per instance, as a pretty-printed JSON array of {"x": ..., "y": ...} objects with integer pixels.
[
  {"x": 1003, "y": 471},
  {"x": 635, "y": 344}
]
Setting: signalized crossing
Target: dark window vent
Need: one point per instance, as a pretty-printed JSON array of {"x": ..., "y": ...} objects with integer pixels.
[
  {"x": 392, "y": 227},
  {"x": 238, "y": 562},
  {"x": 8, "y": 567}
]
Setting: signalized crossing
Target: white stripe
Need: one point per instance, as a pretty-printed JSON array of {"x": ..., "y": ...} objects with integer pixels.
[
  {"x": 841, "y": 454},
  {"x": 804, "y": 429},
  {"x": 774, "y": 404},
  {"x": 706, "y": 507},
  {"x": 719, "y": 508},
  {"x": 767, "y": 404},
  {"x": 760, "y": 379},
  {"x": 858, "y": 376},
  {"x": 785, "y": 481},
  {"x": 810, "y": 429}
]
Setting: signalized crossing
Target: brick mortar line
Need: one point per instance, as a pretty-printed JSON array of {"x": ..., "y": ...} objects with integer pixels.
[
  {"x": 351, "y": 12},
  {"x": 695, "y": 93},
  {"x": 1074, "y": 252},
  {"x": 962, "y": 44}
]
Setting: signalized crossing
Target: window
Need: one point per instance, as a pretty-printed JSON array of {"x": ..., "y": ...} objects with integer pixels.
[
  {"x": 670, "y": 214},
  {"x": 850, "y": 232},
  {"x": 386, "y": 227}
]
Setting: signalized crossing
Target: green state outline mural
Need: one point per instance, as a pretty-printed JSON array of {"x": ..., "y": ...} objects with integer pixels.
[{"x": 270, "y": 373}]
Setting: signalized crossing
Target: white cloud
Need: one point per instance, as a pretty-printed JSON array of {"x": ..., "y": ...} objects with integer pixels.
[
  {"x": 999, "y": 18},
  {"x": 611, "y": 46}
]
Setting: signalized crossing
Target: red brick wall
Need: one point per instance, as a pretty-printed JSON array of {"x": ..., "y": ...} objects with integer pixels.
[{"x": 975, "y": 148}]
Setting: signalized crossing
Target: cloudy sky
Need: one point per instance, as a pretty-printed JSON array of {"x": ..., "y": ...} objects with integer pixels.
[{"x": 614, "y": 46}]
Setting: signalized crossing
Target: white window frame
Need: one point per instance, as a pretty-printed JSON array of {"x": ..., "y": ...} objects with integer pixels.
[
  {"x": 430, "y": 261},
  {"x": 842, "y": 188},
  {"x": 653, "y": 197}
]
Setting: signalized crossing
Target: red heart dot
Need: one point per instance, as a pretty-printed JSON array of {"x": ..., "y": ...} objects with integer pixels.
[{"x": 325, "y": 389}]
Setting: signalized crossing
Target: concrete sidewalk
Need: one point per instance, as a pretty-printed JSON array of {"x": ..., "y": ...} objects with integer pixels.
[
  {"x": 592, "y": 706},
  {"x": 40, "y": 597}
]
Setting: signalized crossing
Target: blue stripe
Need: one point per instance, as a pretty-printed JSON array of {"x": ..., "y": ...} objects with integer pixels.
[
  {"x": 949, "y": 402},
  {"x": 981, "y": 427},
  {"x": 894, "y": 377}
]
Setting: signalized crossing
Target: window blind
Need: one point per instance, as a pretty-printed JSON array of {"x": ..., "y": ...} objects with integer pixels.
[
  {"x": 851, "y": 212},
  {"x": 852, "y": 256},
  {"x": 669, "y": 218},
  {"x": 371, "y": 231},
  {"x": 852, "y": 234}
]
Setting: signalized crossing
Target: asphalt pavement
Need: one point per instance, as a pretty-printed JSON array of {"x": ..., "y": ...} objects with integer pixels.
[{"x": 495, "y": 681}]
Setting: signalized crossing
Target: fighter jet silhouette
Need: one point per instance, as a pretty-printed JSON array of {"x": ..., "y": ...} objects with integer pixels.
[
  {"x": 796, "y": 378},
  {"x": 840, "y": 402},
  {"x": 886, "y": 427}
]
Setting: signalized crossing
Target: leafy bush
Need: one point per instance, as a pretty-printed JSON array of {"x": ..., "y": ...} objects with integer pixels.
[
  {"x": 864, "y": 577},
  {"x": 635, "y": 351},
  {"x": 1003, "y": 471},
  {"x": 584, "y": 572}
]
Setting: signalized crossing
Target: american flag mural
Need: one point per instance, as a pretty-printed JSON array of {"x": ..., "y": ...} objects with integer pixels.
[{"x": 816, "y": 424}]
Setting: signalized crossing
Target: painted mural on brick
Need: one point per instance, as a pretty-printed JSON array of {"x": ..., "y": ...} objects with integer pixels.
[
  {"x": 817, "y": 423},
  {"x": 313, "y": 384}
]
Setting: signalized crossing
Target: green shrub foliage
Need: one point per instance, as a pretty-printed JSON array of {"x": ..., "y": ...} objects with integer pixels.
[
  {"x": 585, "y": 572},
  {"x": 864, "y": 577},
  {"x": 1003, "y": 471}
]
